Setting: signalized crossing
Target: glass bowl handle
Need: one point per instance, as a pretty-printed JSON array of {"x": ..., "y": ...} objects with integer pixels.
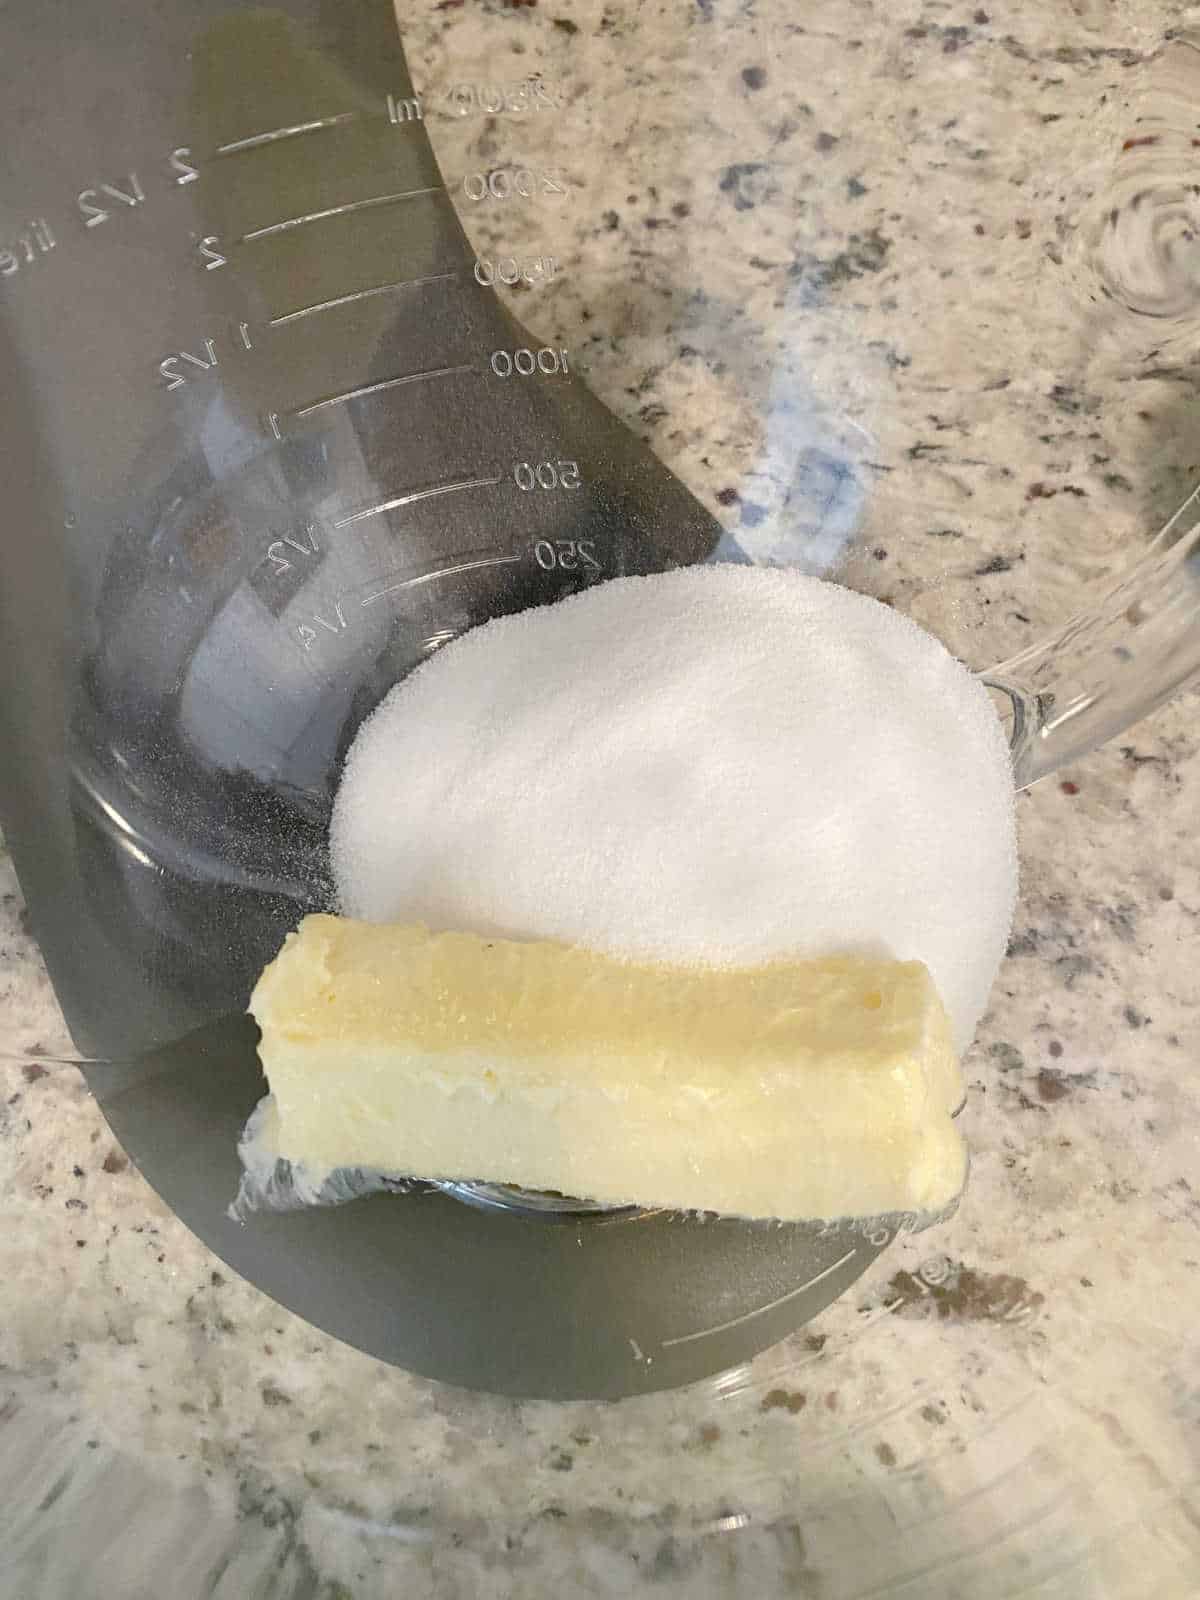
[{"x": 1111, "y": 665}]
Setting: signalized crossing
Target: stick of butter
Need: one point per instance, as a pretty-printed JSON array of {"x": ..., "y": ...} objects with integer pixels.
[{"x": 797, "y": 1090}]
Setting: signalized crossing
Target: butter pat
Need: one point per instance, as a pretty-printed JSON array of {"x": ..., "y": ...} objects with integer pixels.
[{"x": 806, "y": 1089}]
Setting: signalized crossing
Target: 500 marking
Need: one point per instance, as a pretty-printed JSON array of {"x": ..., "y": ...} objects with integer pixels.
[{"x": 546, "y": 475}]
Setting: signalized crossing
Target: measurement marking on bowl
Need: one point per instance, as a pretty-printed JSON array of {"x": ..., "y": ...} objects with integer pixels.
[
  {"x": 747, "y": 1316},
  {"x": 990, "y": 1545},
  {"x": 440, "y": 572},
  {"x": 361, "y": 294},
  {"x": 376, "y": 388},
  {"x": 418, "y": 494},
  {"x": 292, "y": 131},
  {"x": 340, "y": 211}
]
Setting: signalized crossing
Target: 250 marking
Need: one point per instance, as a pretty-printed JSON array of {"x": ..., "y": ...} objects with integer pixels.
[{"x": 567, "y": 555}]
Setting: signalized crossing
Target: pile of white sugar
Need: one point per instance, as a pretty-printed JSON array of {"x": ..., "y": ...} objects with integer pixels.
[{"x": 716, "y": 765}]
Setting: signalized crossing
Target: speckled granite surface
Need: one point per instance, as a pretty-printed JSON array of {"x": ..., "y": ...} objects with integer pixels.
[{"x": 1009, "y": 1405}]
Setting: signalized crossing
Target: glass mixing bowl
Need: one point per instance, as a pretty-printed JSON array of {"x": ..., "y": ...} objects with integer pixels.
[{"x": 317, "y": 353}]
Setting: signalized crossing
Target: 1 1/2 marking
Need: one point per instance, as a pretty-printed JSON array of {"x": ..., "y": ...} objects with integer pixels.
[{"x": 175, "y": 367}]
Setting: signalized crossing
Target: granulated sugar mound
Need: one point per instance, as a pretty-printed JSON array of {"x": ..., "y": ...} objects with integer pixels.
[{"x": 716, "y": 765}]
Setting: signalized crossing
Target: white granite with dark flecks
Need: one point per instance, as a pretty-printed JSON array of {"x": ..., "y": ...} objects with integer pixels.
[{"x": 842, "y": 284}]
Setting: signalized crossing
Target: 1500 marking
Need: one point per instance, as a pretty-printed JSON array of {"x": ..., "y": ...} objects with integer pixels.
[{"x": 503, "y": 183}]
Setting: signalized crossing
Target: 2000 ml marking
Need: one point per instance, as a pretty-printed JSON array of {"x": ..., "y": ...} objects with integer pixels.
[
  {"x": 104, "y": 201},
  {"x": 497, "y": 99}
]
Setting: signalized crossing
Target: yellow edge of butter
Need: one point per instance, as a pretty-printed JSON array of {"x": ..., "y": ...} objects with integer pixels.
[{"x": 798, "y": 1090}]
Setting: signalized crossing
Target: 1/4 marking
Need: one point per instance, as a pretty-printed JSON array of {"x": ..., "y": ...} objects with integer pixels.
[{"x": 308, "y": 634}]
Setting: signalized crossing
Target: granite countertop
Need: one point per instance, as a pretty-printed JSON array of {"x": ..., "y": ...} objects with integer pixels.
[
  {"x": 1007, "y": 1404},
  {"x": 1051, "y": 1324}
]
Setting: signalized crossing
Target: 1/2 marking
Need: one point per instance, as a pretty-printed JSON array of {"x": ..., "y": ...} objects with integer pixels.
[
  {"x": 94, "y": 214},
  {"x": 186, "y": 173},
  {"x": 210, "y": 253},
  {"x": 280, "y": 562}
]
